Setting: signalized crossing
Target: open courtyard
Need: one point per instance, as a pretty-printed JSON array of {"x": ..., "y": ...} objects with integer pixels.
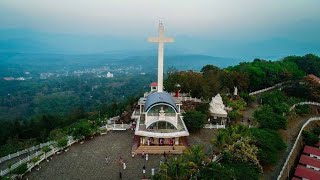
[{"x": 87, "y": 160}]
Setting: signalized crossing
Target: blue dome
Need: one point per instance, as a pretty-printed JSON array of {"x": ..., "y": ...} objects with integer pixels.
[{"x": 159, "y": 97}]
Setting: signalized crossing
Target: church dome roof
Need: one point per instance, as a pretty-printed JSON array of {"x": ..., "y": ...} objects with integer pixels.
[{"x": 159, "y": 97}]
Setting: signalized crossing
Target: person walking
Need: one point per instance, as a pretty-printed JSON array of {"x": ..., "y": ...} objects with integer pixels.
[
  {"x": 144, "y": 169},
  {"x": 124, "y": 165},
  {"x": 120, "y": 175},
  {"x": 107, "y": 159},
  {"x": 147, "y": 157}
]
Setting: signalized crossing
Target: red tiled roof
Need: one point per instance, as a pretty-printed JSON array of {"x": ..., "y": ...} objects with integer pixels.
[
  {"x": 295, "y": 178},
  {"x": 153, "y": 84},
  {"x": 304, "y": 172},
  {"x": 313, "y": 77},
  {"x": 311, "y": 150},
  {"x": 307, "y": 160}
]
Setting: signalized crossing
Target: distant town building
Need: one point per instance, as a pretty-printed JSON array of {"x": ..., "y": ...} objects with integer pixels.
[
  {"x": 109, "y": 75},
  {"x": 45, "y": 75},
  {"x": 14, "y": 79},
  {"x": 20, "y": 79},
  {"x": 8, "y": 78}
]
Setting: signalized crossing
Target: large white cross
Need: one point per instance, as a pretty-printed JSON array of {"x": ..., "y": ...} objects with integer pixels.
[{"x": 160, "y": 40}]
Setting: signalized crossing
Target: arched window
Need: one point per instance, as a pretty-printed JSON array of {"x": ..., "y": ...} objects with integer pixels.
[
  {"x": 161, "y": 125},
  {"x": 154, "y": 111}
]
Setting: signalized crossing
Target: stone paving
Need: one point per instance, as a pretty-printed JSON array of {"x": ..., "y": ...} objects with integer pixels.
[{"x": 87, "y": 160}]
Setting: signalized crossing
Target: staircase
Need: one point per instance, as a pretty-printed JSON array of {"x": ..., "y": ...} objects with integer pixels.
[{"x": 160, "y": 149}]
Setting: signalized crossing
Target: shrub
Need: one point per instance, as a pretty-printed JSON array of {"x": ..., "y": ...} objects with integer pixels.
[
  {"x": 302, "y": 110},
  {"x": 269, "y": 119},
  {"x": 309, "y": 138},
  {"x": 269, "y": 143},
  {"x": 20, "y": 169},
  {"x": 35, "y": 159},
  {"x": 194, "y": 120},
  {"x": 62, "y": 142},
  {"x": 46, "y": 149}
]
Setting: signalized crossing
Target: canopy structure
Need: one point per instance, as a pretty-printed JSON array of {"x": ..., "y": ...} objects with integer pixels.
[
  {"x": 217, "y": 108},
  {"x": 159, "y": 97}
]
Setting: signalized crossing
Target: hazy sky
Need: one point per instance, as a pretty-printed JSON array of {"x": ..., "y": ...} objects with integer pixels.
[
  {"x": 135, "y": 17},
  {"x": 235, "y": 20}
]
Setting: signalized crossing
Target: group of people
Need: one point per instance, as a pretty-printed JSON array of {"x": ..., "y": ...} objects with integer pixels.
[
  {"x": 150, "y": 141},
  {"x": 171, "y": 141},
  {"x": 121, "y": 163}
]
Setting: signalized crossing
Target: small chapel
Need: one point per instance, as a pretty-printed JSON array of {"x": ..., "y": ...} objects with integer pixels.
[
  {"x": 159, "y": 125},
  {"x": 218, "y": 113}
]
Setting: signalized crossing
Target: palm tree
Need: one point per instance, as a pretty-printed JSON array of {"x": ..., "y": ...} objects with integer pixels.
[
  {"x": 220, "y": 141},
  {"x": 175, "y": 169}
]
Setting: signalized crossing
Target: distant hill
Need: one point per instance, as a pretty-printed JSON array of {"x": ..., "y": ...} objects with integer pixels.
[
  {"x": 147, "y": 61},
  {"x": 181, "y": 62}
]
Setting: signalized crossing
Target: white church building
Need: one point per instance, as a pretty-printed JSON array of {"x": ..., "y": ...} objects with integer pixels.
[{"x": 159, "y": 124}]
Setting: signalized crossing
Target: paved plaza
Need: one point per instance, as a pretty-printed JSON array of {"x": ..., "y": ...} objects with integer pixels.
[{"x": 87, "y": 160}]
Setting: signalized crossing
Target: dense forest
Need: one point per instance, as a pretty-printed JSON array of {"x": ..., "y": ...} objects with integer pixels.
[
  {"x": 29, "y": 110},
  {"x": 33, "y": 111},
  {"x": 245, "y": 152},
  {"x": 247, "y": 76}
]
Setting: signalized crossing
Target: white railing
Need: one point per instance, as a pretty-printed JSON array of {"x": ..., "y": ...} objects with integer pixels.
[
  {"x": 214, "y": 126},
  {"x": 14, "y": 166},
  {"x": 33, "y": 148},
  {"x": 295, "y": 144},
  {"x": 188, "y": 99},
  {"x": 180, "y": 94},
  {"x": 119, "y": 126},
  {"x": 42, "y": 157},
  {"x": 304, "y": 103},
  {"x": 265, "y": 89}
]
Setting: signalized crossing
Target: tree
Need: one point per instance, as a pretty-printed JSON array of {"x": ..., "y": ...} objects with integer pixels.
[
  {"x": 243, "y": 151},
  {"x": 57, "y": 134},
  {"x": 269, "y": 119},
  {"x": 217, "y": 171},
  {"x": 309, "y": 138},
  {"x": 82, "y": 129},
  {"x": 194, "y": 120},
  {"x": 194, "y": 154},
  {"x": 302, "y": 109},
  {"x": 269, "y": 144}
]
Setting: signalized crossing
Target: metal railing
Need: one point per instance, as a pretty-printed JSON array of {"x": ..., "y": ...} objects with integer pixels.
[
  {"x": 38, "y": 153},
  {"x": 33, "y": 148}
]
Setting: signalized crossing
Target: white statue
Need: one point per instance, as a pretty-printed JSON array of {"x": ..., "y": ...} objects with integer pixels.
[
  {"x": 162, "y": 114},
  {"x": 235, "y": 91}
]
